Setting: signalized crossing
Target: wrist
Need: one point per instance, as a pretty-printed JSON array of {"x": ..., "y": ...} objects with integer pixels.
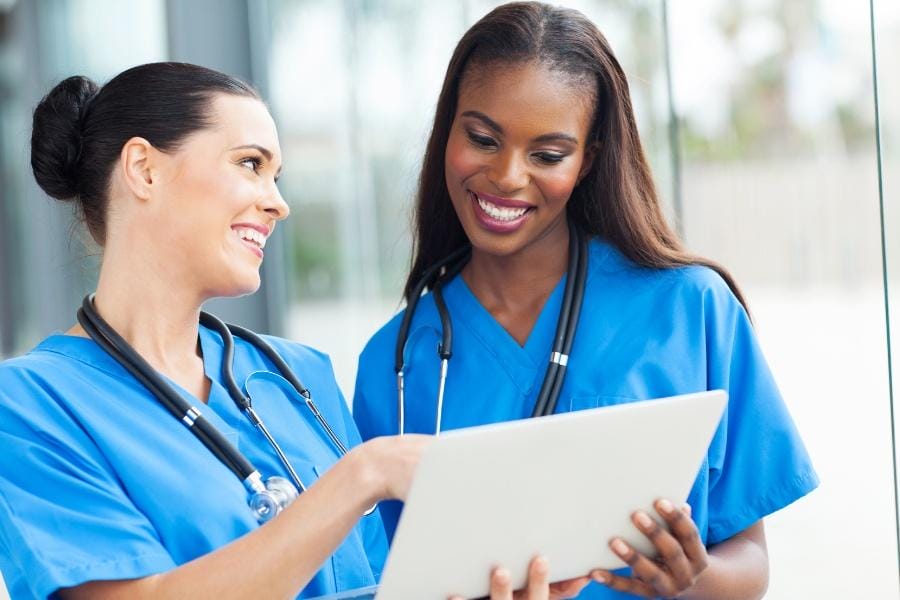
[
  {"x": 365, "y": 475},
  {"x": 700, "y": 589}
]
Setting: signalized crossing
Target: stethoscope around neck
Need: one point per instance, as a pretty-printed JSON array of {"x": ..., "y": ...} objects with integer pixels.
[
  {"x": 267, "y": 498},
  {"x": 566, "y": 325}
]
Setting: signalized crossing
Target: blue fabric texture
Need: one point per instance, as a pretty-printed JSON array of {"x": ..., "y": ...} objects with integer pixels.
[
  {"x": 99, "y": 481},
  {"x": 643, "y": 334}
]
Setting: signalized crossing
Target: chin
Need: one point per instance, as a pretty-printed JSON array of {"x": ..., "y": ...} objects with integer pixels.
[
  {"x": 243, "y": 286},
  {"x": 498, "y": 245}
]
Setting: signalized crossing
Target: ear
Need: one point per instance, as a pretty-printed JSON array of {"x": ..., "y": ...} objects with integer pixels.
[
  {"x": 590, "y": 153},
  {"x": 136, "y": 166}
]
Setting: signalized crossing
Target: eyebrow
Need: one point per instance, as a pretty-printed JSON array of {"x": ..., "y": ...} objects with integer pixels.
[
  {"x": 556, "y": 136},
  {"x": 262, "y": 150}
]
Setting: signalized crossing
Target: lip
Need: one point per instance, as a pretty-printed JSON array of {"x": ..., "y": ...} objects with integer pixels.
[
  {"x": 493, "y": 225},
  {"x": 263, "y": 229},
  {"x": 504, "y": 202}
]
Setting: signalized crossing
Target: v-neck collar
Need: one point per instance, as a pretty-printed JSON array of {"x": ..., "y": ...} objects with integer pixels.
[
  {"x": 219, "y": 403},
  {"x": 522, "y": 363}
]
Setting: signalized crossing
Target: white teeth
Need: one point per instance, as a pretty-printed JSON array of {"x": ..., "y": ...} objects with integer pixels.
[
  {"x": 251, "y": 235},
  {"x": 500, "y": 213}
]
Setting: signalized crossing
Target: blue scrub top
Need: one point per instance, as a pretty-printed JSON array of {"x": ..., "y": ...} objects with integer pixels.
[
  {"x": 99, "y": 481},
  {"x": 642, "y": 334}
]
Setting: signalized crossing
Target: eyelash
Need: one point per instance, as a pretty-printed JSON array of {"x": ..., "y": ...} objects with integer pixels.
[
  {"x": 483, "y": 141},
  {"x": 255, "y": 161},
  {"x": 549, "y": 158}
]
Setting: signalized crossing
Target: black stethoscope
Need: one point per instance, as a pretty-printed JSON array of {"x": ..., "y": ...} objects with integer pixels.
[
  {"x": 447, "y": 269},
  {"x": 267, "y": 498}
]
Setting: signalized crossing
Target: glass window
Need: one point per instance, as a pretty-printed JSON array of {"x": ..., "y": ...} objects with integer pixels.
[
  {"x": 887, "y": 56},
  {"x": 353, "y": 87},
  {"x": 775, "y": 111},
  {"x": 41, "y": 43}
]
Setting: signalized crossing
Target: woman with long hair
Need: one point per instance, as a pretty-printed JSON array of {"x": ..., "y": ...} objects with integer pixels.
[{"x": 534, "y": 169}]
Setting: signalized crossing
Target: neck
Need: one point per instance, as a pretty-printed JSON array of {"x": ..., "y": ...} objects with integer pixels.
[
  {"x": 524, "y": 278},
  {"x": 156, "y": 315}
]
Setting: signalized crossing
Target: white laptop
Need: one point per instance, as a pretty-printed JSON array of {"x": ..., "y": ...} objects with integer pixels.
[{"x": 561, "y": 486}]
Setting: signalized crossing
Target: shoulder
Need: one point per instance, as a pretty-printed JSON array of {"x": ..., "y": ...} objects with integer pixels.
[
  {"x": 381, "y": 347},
  {"x": 692, "y": 285},
  {"x": 36, "y": 392},
  {"x": 38, "y": 371},
  {"x": 312, "y": 366},
  {"x": 298, "y": 354},
  {"x": 383, "y": 342}
]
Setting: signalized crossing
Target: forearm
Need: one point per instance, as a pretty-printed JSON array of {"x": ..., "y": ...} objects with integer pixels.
[
  {"x": 274, "y": 561},
  {"x": 738, "y": 568}
]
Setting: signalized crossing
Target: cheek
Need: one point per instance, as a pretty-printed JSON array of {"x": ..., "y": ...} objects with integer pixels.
[
  {"x": 558, "y": 186},
  {"x": 461, "y": 161}
]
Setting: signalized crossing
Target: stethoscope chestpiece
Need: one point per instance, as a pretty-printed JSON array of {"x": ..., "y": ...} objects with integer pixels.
[{"x": 278, "y": 495}]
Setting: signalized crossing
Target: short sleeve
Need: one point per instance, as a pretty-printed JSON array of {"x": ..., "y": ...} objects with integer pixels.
[
  {"x": 64, "y": 517},
  {"x": 757, "y": 461}
]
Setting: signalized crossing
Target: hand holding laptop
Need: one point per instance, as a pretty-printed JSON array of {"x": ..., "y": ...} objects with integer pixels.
[
  {"x": 681, "y": 558},
  {"x": 538, "y": 586},
  {"x": 681, "y": 555}
]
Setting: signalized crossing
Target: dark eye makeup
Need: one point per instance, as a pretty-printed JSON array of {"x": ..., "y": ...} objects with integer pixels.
[
  {"x": 486, "y": 142},
  {"x": 481, "y": 140}
]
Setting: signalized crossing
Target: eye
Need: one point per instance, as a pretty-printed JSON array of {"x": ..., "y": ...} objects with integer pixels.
[
  {"x": 549, "y": 158},
  {"x": 251, "y": 163},
  {"x": 481, "y": 141}
]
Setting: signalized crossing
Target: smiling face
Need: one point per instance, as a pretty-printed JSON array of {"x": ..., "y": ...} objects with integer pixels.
[
  {"x": 516, "y": 150},
  {"x": 218, "y": 199}
]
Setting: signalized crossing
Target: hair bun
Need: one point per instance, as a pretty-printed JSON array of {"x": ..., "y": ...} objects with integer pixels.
[{"x": 56, "y": 136}]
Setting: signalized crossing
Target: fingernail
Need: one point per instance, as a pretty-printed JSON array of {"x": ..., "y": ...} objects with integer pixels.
[
  {"x": 600, "y": 576},
  {"x": 665, "y": 506},
  {"x": 540, "y": 565},
  {"x": 619, "y": 546},
  {"x": 501, "y": 576},
  {"x": 643, "y": 520}
]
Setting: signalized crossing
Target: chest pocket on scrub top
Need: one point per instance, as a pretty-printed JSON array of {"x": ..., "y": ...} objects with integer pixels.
[{"x": 586, "y": 401}]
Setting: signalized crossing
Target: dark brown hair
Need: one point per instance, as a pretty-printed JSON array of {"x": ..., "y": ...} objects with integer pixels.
[
  {"x": 616, "y": 199},
  {"x": 79, "y": 128}
]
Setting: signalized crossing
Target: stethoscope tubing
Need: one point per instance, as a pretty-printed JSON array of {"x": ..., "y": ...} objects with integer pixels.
[
  {"x": 227, "y": 331},
  {"x": 561, "y": 358},
  {"x": 116, "y": 346},
  {"x": 567, "y": 324},
  {"x": 454, "y": 263},
  {"x": 108, "y": 339},
  {"x": 548, "y": 385}
]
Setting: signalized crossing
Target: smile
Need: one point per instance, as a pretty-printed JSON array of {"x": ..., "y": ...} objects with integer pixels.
[
  {"x": 500, "y": 215},
  {"x": 252, "y": 238},
  {"x": 499, "y": 212}
]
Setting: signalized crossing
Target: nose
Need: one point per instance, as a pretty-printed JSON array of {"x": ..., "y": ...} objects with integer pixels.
[
  {"x": 274, "y": 205},
  {"x": 508, "y": 172}
]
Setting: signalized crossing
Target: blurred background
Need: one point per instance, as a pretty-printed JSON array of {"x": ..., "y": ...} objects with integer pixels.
[{"x": 773, "y": 127}]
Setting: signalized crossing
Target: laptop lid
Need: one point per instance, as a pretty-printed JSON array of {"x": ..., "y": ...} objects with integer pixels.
[{"x": 561, "y": 486}]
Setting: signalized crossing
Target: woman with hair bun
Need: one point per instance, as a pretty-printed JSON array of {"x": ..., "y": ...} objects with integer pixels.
[
  {"x": 534, "y": 158},
  {"x": 103, "y": 494}
]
